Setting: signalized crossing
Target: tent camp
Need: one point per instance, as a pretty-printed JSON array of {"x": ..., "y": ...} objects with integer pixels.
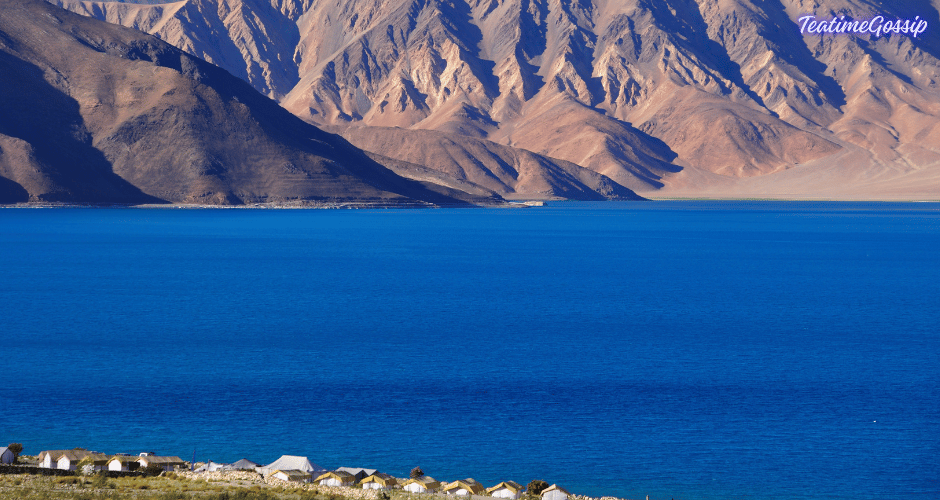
[
  {"x": 94, "y": 462},
  {"x": 358, "y": 472},
  {"x": 506, "y": 489},
  {"x": 123, "y": 463},
  {"x": 292, "y": 462},
  {"x": 464, "y": 487},
  {"x": 555, "y": 492},
  {"x": 212, "y": 467},
  {"x": 378, "y": 481},
  {"x": 49, "y": 458},
  {"x": 68, "y": 460},
  {"x": 423, "y": 484},
  {"x": 293, "y": 476},
  {"x": 168, "y": 464},
  {"x": 244, "y": 464},
  {"x": 335, "y": 478}
]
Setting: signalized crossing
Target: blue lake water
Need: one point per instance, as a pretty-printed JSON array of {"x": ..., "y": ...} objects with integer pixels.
[{"x": 687, "y": 350}]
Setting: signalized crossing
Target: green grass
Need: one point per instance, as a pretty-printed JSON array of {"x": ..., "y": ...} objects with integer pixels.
[
  {"x": 30, "y": 487},
  {"x": 166, "y": 487}
]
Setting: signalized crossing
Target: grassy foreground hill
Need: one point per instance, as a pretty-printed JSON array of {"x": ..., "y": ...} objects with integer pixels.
[
  {"x": 185, "y": 487},
  {"x": 169, "y": 487}
]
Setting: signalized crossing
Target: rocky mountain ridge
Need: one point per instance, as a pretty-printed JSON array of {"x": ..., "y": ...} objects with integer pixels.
[
  {"x": 91, "y": 112},
  {"x": 674, "y": 97}
]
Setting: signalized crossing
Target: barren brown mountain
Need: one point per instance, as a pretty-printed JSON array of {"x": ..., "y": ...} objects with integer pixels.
[
  {"x": 93, "y": 112},
  {"x": 508, "y": 172},
  {"x": 668, "y": 97}
]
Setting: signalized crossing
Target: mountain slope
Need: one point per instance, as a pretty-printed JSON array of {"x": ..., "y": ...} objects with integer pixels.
[
  {"x": 247, "y": 39},
  {"x": 509, "y": 172},
  {"x": 45, "y": 148},
  {"x": 670, "y": 95},
  {"x": 93, "y": 112}
]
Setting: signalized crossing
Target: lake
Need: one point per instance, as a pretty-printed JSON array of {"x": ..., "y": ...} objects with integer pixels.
[{"x": 677, "y": 349}]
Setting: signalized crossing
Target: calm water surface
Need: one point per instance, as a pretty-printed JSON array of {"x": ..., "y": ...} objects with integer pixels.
[{"x": 693, "y": 350}]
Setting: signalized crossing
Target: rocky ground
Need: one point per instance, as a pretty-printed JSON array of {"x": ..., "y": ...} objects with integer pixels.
[{"x": 185, "y": 485}]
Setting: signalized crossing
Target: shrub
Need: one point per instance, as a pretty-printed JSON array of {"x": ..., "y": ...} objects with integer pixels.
[
  {"x": 536, "y": 486},
  {"x": 16, "y": 448},
  {"x": 152, "y": 470},
  {"x": 172, "y": 495},
  {"x": 100, "y": 480},
  {"x": 244, "y": 494},
  {"x": 416, "y": 473}
]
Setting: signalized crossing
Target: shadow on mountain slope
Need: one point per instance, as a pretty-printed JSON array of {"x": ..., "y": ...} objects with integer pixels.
[{"x": 66, "y": 167}]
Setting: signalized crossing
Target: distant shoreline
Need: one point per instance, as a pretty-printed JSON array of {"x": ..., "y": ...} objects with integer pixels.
[
  {"x": 797, "y": 198},
  {"x": 395, "y": 206}
]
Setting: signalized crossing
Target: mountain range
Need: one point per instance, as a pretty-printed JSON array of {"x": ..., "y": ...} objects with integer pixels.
[
  {"x": 589, "y": 99},
  {"x": 97, "y": 113}
]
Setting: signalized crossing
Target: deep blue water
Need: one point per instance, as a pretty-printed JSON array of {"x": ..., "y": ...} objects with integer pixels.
[{"x": 693, "y": 350}]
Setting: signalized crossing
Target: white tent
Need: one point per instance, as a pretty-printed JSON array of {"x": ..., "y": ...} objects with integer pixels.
[
  {"x": 212, "y": 467},
  {"x": 555, "y": 492},
  {"x": 244, "y": 464},
  {"x": 358, "y": 472},
  {"x": 291, "y": 462}
]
